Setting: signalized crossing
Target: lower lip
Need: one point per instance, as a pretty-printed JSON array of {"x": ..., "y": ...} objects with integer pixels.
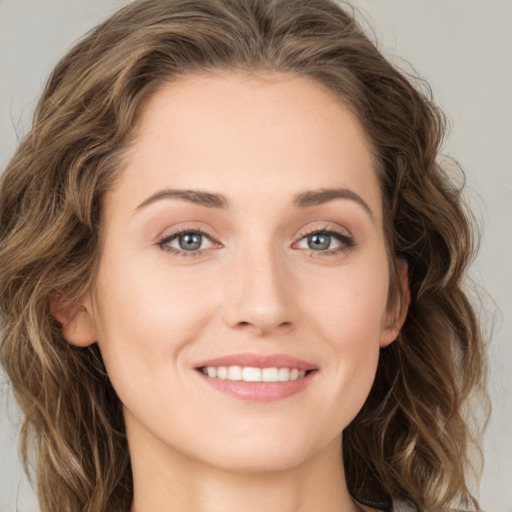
[{"x": 259, "y": 391}]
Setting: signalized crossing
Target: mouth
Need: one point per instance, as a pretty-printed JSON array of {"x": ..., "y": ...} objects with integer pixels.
[{"x": 260, "y": 378}]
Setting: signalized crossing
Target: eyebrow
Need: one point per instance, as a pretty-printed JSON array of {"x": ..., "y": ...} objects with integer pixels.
[
  {"x": 213, "y": 200},
  {"x": 317, "y": 197},
  {"x": 199, "y": 197}
]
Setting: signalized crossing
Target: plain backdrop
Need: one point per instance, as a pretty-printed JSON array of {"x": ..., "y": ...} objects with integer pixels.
[{"x": 463, "y": 48}]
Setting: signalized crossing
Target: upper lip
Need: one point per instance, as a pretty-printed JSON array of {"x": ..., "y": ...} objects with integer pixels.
[{"x": 258, "y": 361}]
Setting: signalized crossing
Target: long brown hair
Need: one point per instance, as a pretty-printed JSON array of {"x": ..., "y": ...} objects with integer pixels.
[{"x": 410, "y": 441}]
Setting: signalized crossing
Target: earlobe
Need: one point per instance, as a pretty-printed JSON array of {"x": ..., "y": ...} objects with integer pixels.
[
  {"x": 397, "y": 312},
  {"x": 77, "y": 321}
]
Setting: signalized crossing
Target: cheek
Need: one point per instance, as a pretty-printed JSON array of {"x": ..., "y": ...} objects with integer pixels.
[
  {"x": 348, "y": 311},
  {"x": 144, "y": 322},
  {"x": 144, "y": 300},
  {"x": 349, "y": 303}
]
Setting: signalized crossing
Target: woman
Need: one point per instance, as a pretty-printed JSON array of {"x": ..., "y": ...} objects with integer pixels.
[{"x": 231, "y": 271}]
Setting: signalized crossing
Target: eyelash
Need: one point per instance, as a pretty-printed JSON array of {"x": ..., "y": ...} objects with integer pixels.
[{"x": 346, "y": 242}]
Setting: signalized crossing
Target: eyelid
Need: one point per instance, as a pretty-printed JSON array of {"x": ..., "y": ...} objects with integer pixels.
[{"x": 325, "y": 228}]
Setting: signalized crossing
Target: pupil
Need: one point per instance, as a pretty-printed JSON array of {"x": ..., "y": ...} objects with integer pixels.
[
  {"x": 190, "y": 241},
  {"x": 319, "y": 241}
]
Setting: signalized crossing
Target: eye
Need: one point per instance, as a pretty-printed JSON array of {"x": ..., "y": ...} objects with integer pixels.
[
  {"x": 186, "y": 242},
  {"x": 321, "y": 241},
  {"x": 326, "y": 240}
]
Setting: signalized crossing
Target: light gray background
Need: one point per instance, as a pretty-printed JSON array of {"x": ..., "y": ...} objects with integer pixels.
[{"x": 462, "y": 47}]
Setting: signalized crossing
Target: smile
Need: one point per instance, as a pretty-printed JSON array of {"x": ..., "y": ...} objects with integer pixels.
[
  {"x": 251, "y": 374},
  {"x": 257, "y": 377}
]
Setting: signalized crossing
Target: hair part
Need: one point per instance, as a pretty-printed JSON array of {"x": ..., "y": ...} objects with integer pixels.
[{"x": 410, "y": 440}]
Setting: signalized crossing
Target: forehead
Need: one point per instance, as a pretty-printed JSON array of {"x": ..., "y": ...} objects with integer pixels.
[{"x": 234, "y": 133}]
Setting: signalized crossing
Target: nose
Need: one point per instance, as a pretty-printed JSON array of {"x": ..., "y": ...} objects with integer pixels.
[{"x": 261, "y": 297}]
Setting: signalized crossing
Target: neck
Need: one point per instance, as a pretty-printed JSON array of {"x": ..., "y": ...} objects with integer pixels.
[{"x": 172, "y": 481}]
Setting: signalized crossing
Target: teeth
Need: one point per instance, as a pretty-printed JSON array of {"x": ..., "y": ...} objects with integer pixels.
[
  {"x": 269, "y": 374},
  {"x": 250, "y": 374},
  {"x": 234, "y": 373},
  {"x": 284, "y": 374}
]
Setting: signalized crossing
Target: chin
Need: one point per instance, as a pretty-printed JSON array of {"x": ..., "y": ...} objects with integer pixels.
[
  {"x": 262, "y": 455},
  {"x": 261, "y": 463}
]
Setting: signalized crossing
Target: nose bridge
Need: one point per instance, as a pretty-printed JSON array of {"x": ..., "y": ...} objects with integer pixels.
[{"x": 260, "y": 293}]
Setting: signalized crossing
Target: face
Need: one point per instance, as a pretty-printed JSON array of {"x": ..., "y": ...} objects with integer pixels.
[{"x": 244, "y": 239}]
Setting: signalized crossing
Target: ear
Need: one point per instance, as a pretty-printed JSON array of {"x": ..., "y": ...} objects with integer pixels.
[
  {"x": 397, "y": 312},
  {"x": 77, "y": 321}
]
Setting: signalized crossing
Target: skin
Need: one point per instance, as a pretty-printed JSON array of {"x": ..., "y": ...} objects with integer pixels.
[{"x": 255, "y": 286}]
